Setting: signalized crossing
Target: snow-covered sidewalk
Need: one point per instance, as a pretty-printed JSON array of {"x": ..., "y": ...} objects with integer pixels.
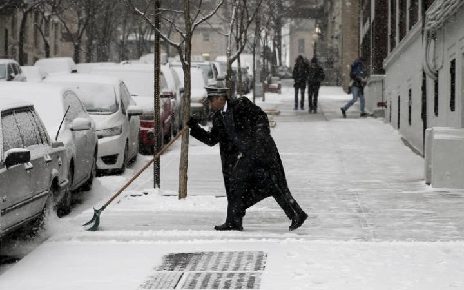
[{"x": 373, "y": 222}]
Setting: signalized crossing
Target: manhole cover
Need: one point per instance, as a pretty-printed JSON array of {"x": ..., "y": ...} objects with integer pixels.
[{"x": 209, "y": 270}]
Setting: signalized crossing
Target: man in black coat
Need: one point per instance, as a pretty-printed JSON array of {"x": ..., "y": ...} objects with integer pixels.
[
  {"x": 300, "y": 76},
  {"x": 251, "y": 163},
  {"x": 315, "y": 77}
]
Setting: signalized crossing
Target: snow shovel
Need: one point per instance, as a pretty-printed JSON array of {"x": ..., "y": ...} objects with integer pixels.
[{"x": 97, "y": 212}]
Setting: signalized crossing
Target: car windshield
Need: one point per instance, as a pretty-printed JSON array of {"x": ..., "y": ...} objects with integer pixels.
[
  {"x": 198, "y": 81},
  {"x": 98, "y": 98},
  {"x": 2, "y": 71}
]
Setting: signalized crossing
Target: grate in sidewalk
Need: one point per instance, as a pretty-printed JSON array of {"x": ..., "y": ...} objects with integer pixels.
[{"x": 209, "y": 270}]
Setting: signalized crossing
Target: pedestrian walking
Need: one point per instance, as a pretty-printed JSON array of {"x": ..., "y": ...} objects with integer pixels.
[
  {"x": 300, "y": 76},
  {"x": 315, "y": 77},
  {"x": 358, "y": 81},
  {"x": 251, "y": 164}
]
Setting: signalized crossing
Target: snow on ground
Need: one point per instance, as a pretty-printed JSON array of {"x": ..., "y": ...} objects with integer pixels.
[{"x": 373, "y": 222}]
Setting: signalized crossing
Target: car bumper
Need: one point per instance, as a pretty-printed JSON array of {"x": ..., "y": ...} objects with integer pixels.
[{"x": 111, "y": 152}]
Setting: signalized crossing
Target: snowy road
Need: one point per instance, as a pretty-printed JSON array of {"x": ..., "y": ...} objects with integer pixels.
[{"x": 372, "y": 218}]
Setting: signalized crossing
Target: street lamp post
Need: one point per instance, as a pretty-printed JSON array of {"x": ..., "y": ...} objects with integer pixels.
[{"x": 316, "y": 35}]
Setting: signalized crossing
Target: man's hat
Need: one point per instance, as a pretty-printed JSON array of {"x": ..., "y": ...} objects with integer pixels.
[{"x": 214, "y": 91}]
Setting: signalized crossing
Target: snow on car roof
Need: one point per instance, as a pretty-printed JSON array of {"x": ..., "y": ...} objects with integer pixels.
[
  {"x": 83, "y": 78},
  {"x": 11, "y": 103},
  {"x": 7, "y": 60},
  {"x": 46, "y": 98}
]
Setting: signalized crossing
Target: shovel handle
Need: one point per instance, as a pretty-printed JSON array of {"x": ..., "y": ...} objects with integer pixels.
[{"x": 144, "y": 168}]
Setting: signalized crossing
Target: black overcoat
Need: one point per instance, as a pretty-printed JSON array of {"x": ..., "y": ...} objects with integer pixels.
[{"x": 253, "y": 142}]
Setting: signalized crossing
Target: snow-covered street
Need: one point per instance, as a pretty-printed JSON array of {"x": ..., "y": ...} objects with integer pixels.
[{"x": 373, "y": 223}]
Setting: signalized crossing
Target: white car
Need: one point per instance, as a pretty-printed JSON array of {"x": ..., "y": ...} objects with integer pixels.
[
  {"x": 108, "y": 102},
  {"x": 31, "y": 175},
  {"x": 33, "y": 74},
  {"x": 11, "y": 71},
  {"x": 54, "y": 65},
  {"x": 199, "y": 107},
  {"x": 176, "y": 89},
  {"x": 67, "y": 121},
  {"x": 139, "y": 79}
]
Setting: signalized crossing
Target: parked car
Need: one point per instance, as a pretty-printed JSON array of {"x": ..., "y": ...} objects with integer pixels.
[
  {"x": 139, "y": 79},
  {"x": 33, "y": 74},
  {"x": 66, "y": 119},
  {"x": 199, "y": 107},
  {"x": 11, "y": 71},
  {"x": 272, "y": 85},
  {"x": 116, "y": 116},
  {"x": 246, "y": 79},
  {"x": 31, "y": 177},
  {"x": 55, "y": 65},
  {"x": 176, "y": 89}
]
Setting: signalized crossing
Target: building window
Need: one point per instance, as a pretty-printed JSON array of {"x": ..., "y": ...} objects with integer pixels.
[
  {"x": 424, "y": 98},
  {"x": 453, "y": 85},
  {"x": 410, "y": 107},
  {"x": 403, "y": 18},
  {"x": 36, "y": 29},
  {"x": 205, "y": 36},
  {"x": 435, "y": 97},
  {"x": 399, "y": 112},
  {"x": 413, "y": 12},
  {"x": 301, "y": 46},
  {"x": 56, "y": 28},
  {"x": 392, "y": 24},
  {"x": 6, "y": 42}
]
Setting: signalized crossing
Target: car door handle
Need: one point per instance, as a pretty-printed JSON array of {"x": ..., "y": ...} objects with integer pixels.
[
  {"x": 28, "y": 166},
  {"x": 47, "y": 158}
]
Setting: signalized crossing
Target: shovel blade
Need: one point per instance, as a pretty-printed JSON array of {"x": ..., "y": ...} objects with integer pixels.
[{"x": 95, "y": 221}]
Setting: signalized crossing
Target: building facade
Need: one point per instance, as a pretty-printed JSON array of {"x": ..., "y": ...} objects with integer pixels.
[
  {"x": 40, "y": 35},
  {"x": 424, "y": 69}
]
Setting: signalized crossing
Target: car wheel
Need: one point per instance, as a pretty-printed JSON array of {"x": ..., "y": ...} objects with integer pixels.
[
  {"x": 168, "y": 136},
  {"x": 46, "y": 215},
  {"x": 125, "y": 159},
  {"x": 64, "y": 207},
  {"x": 93, "y": 172}
]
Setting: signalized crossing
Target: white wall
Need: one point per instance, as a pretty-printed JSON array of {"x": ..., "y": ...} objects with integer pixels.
[{"x": 403, "y": 71}]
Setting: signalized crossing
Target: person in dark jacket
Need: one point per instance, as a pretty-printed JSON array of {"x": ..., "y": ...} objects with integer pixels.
[
  {"x": 300, "y": 76},
  {"x": 315, "y": 77},
  {"x": 358, "y": 81},
  {"x": 251, "y": 164}
]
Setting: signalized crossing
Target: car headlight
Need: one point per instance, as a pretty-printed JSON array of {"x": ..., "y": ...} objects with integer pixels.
[{"x": 109, "y": 132}]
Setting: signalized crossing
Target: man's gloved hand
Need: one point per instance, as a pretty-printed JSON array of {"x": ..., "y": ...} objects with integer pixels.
[{"x": 192, "y": 122}]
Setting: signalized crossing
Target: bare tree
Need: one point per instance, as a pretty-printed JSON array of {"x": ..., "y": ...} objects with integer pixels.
[
  {"x": 243, "y": 14},
  {"x": 26, "y": 8},
  {"x": 192, "y": 14},
  {"x": 75, "y": 16}
]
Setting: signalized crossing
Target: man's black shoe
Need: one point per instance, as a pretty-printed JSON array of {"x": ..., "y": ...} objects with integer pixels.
[
  {"x": 363, "y": 115},
  {"x": 298, "y": 221},
  {"x": 343, "y": 112},
  {"x": 228, "y": 227}
]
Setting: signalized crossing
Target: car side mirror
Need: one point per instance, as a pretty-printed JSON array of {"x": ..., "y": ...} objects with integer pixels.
[
  {"x": 57, "y": 144},
  {"x": 134, "y": 111},
  {"x": 17, "y": 156},
  {"x": 81, "y": 124}
]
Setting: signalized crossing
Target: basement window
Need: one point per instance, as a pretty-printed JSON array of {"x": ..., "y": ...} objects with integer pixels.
[
  {"x": 435, "y": 97},
  {"x": 453, "y": 85},
  {"x": 410, "y": 107}
]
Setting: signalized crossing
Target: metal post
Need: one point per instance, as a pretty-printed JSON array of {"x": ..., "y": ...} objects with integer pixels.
[{"x": 156, "y": 117}]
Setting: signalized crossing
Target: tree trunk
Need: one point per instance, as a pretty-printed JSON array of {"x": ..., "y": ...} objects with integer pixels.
[
  {"x": 186, "y": 65},
  {"x": 183, "y": 166},
  {"x": 22, "y": 32},
  {"x": 77, "y": 51}
]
